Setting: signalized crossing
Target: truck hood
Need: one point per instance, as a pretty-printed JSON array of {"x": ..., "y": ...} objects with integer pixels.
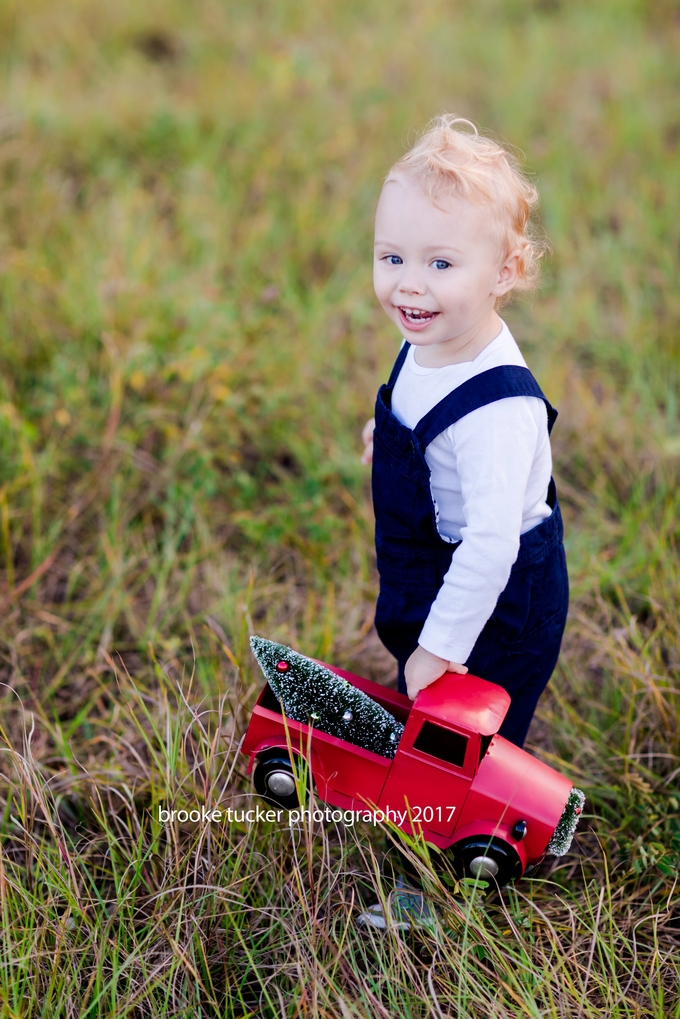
[{"x": 521, "y": 786}]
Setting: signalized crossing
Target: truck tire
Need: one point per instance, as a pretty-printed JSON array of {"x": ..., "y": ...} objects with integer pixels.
[
  {"x": 274, "y": 779},
  {"x": 486, "y": 858}
]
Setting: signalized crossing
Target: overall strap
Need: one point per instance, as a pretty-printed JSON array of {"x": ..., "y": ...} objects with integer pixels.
[
  {"x": 487, "y": 387},
  {"x": 401, "y": 357}
]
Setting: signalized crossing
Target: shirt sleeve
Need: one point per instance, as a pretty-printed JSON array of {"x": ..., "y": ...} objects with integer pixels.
[{"x": 494, "y": 448}]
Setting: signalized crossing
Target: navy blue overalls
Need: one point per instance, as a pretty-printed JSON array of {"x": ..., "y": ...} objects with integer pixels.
[{"x": 520, "y": 643}]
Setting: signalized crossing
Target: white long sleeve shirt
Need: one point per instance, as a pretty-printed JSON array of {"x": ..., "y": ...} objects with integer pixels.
[{"x": 489, "y": 476}]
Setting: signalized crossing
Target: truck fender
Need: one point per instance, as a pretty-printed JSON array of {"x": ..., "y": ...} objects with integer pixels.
[{"x": 497, "y": 828}]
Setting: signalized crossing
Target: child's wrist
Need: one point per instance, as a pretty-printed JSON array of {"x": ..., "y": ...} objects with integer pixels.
[{"x": 433, "y": 656}]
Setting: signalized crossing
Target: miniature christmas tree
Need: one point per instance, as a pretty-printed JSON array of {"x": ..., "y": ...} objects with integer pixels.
[
  {"x": 312, "y": 694},
  {"x": 566, "y": 826}
]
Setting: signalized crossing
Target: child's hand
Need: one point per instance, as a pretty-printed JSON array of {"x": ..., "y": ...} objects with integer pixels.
[
  {"x": 367, "y": 439},
  {"x": 423, "y": 668}
]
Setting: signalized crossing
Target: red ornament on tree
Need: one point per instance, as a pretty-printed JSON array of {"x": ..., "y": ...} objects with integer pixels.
[{"x": 282, "y": 666}]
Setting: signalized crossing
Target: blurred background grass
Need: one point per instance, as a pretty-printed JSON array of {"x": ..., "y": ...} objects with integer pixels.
[{"x": 189, "y": 345}]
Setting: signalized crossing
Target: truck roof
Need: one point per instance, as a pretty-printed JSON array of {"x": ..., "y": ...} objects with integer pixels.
[{"x": 467, "y": 701}]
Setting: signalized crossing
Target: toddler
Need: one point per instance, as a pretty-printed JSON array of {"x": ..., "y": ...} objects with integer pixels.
[{"x": 469, "y": 547}]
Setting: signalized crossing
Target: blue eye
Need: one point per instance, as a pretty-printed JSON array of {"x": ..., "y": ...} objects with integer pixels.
[
  {"x": 393, "y": 259},
  {"x": 441, "y": 263}
]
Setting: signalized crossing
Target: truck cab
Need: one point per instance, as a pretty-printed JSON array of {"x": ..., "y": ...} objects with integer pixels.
[{"x": 448, "y": 732}]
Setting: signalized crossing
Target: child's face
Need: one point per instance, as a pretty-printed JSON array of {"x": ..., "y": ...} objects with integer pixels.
[{"x": 438, "y": 272}]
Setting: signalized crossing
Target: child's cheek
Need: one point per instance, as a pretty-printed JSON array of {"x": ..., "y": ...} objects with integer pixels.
[
  {"x": 383, "y": 292},
  {"x": 379, "y": 286}
]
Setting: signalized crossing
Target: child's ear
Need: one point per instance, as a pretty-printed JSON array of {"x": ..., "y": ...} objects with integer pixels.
[{"x": 508, "y": 274}]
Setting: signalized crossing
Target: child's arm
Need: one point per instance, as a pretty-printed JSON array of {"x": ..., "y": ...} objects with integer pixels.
[
  {"x": 367, "y": 439},
  {"x": 495, "y": 449}
]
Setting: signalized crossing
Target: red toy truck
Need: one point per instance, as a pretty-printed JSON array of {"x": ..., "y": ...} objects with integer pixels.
[{"x": 466, "y": 788}]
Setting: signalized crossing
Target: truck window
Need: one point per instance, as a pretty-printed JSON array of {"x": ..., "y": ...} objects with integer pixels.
[{"x": 439, "y": 742}]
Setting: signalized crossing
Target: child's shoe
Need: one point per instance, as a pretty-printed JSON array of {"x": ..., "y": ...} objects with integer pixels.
[
  {"x": 406, "y": 907},
  {"x": 374, "y": 916}
]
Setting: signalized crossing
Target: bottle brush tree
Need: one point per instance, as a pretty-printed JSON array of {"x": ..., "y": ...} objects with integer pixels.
[
  {"x": 310, "y": 693},
  {"x": 566, "y": 826}
]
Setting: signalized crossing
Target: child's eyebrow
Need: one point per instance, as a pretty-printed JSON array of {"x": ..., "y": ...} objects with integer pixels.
[
  {"x": 432, "y": 249},
  {"x": 436, "y": 248}
]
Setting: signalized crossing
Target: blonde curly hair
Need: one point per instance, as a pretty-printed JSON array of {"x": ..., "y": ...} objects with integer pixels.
[{"x": 446, "y": 160}]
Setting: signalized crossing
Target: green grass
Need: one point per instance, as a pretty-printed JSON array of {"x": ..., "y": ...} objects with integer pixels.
[{"x": 189, "y": 346}]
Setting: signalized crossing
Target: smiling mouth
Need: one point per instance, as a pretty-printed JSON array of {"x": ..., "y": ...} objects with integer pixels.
[
  {"x": 416, "y": 318},
  {"x": 417, "y": 315}
]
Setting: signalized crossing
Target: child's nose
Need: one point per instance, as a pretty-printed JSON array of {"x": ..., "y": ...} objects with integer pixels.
[{"x": 411, "y": 284}]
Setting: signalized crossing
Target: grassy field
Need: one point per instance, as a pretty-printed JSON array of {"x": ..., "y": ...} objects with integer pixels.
[{"x": 189, "y": 345}]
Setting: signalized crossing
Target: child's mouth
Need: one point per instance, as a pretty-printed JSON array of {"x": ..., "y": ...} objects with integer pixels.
[{"x": 416, "y": 318}]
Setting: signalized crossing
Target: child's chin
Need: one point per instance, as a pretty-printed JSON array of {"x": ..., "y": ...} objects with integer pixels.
[{"x": 420, "y": 339}]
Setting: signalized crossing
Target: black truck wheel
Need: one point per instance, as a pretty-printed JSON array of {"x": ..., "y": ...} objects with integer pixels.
[
  {"x": 274, "y": 779},
  {"x": 487, "y": 858}
]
